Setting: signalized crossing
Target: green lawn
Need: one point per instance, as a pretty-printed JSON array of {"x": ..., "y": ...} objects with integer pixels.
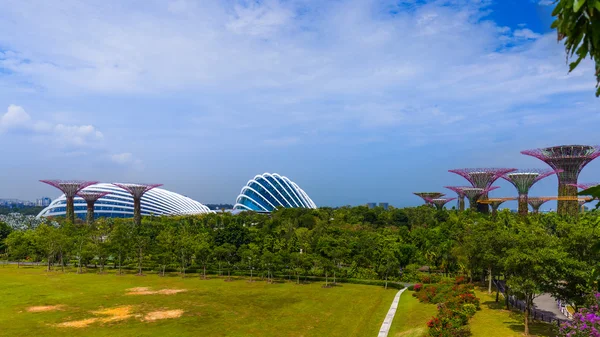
[
  {"x": 493, "y": 320},
  {"x": 411, "y": 317},
  {"x": 207, "y": 307}
]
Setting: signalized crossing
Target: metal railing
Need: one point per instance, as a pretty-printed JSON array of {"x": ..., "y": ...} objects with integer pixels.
[{"x": 534, "y": 313}]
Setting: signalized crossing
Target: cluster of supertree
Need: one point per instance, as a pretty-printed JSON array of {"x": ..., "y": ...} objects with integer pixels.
[
  {"x": 72, "y": 188},
  {"x": 566, "y": 161}
]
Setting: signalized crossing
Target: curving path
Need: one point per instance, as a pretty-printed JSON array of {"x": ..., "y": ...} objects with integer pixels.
[
  {"x": 389, "y": 318},
  {"x": 547, "y": 305}
]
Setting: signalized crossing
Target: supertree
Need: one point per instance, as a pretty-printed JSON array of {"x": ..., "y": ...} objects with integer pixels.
[
  {"x": 537, "y": 202},
  {"x": 137, "y": 191},
  {"x": 91, "y": 198},
  {"x": 523, "y": 180},
  {"x": 474, "y": 193},
  {"x": 428, "y": 195},
  {"x": 482, "y": 178},
  {"x": 439, "y": 202},
  {"x": 571, "y": 159},
  {"x": 461, "y": 196},
  {"x": 495, "y": 203},
  {"x": 70, "y": 188}
]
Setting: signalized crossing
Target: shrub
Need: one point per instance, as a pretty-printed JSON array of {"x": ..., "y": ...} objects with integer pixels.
[
  {"x": 469, "y": 309},
  {"x": 456, "y": 305},
  {"x": 417, "y": 287}
]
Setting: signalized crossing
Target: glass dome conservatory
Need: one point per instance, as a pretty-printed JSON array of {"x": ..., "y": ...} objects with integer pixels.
[{"x": 265, "y": 192}]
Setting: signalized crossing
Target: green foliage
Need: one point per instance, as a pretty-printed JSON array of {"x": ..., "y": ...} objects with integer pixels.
[
  {"x": 594, "y": 192},
  {"x": 578, "y": 24}
]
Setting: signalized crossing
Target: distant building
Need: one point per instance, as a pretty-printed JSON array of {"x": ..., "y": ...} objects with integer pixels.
[
  {"x": 372, "y": 204},
  {"x": 385, "y": 205},
  {"x": 43, "y": 202}
]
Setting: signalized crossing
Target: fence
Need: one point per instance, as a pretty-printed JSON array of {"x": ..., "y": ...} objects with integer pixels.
[{"x": 534, "y": 313}]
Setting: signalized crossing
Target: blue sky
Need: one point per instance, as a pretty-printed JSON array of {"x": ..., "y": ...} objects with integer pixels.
[{"x": 356, "y": 101}]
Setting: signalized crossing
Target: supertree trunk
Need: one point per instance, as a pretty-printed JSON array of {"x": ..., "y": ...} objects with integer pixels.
[
  {"x": 473, "y": 204},
  {"x": 494, "y": 211},
  {"x": 483, "y": 208},
  {"x": 567, "y": 207},
  {"x": 70, "y": 213},
  {"x": 461, "y": 204},
  {"x": 89, "y": 217},
  {"x": 523, "y": 209},
  {"x": 137, "y": 211},
  {"x": 536, "y": 210}
]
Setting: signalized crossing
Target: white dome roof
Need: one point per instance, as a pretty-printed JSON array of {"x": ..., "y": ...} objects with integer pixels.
[{"x": 268, "y": 191}]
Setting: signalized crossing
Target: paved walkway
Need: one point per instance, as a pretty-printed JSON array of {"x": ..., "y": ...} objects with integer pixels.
[
  {"x": 387, "y": 322},
  {"x": 547, "y": 305}
]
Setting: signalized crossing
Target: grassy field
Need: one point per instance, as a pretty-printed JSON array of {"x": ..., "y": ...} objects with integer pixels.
[
  {"x": 493, "y": 320},
  {"x": 34, "y": 302},
  {"x": 411, "y": 317}
]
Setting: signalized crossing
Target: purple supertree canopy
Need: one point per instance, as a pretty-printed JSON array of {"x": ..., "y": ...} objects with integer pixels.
[
  {"x": 440, "y": 202},
  {"x": 458, "y": 190},
  {"x": 473, "y": 193},
  {"x": 69, "y": 187},
  {"x": 571, "y": 159},
  {"x": 482, "y": 177},
  {"x": 428, "y": 195},
  {"x": 91, "y": 196},
  {"x": 536, "y": 202},
  {"x": 137, "y": 190},
  {"x": 585, "y": 186},
  {"x": 524, "y": 179}
]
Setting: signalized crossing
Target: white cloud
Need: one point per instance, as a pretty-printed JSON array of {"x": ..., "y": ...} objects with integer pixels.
[
  {"x": 526, "y": 33},
  {"x": 79, "y": 135},
  {"x": 15, "y": 117},
  {"x": 127, "y": 159},
  {"x": 122, "y": 158}
]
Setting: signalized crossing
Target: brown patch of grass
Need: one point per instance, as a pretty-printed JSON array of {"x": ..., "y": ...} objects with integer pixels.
[
  {"x": 43, "y": 308},
  {"x": 147, "y": 291},
  {"x": 137, "y": 289},
  {"x": 156, "y": 315},
  {"x": 115, "y": 314},
  {"x": 77, "y": 324}
]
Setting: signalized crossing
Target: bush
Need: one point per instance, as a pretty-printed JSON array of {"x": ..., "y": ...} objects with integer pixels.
[
  {"x": 469, "y": 309},
  {"x": 417, "y": 287},
  {"x": 410, "y": 273},
  {"x": 456, "y": 305}
]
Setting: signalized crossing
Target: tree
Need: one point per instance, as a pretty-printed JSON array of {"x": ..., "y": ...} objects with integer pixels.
[
  {"x": 121, "y": 240},
  {"x": 203, "y": 251},
  {"x": 82, "y": 242},
  {"x": 19, "y": 245},
  {"x": 533, "y": 264},
  {"x": 100, "y": 235},
  {"x": 165, "y": 248},
  {"x": 250, "y": 254},
  {"x": 578, "y": 24},
  {"x": 46, "y": 239},
  {"x": 184, "y": 245},
  {"x": 388, "y": 261},
  {"x": 5, "y": 230}
]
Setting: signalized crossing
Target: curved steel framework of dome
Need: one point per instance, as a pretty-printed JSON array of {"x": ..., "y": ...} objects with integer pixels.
[
  {"x": 119, "y": 203},
  {"x": 267, "y": 191}
]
